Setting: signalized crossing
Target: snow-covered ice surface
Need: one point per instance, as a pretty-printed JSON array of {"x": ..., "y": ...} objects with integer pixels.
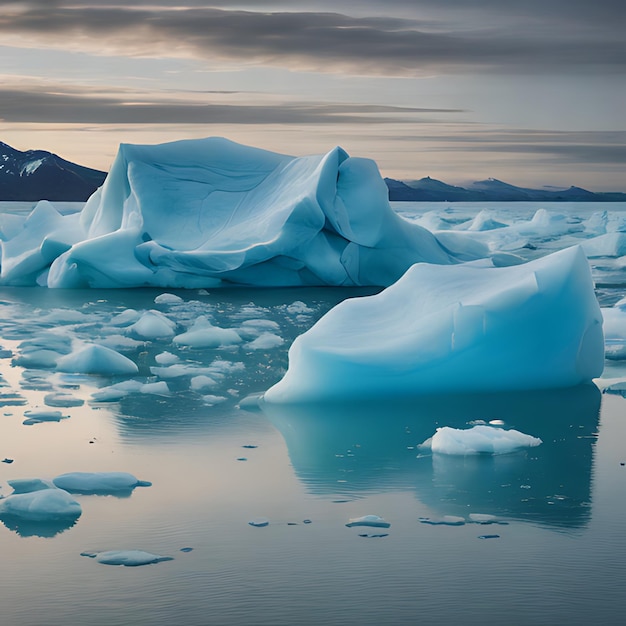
[{"x": 176, "y": 421}]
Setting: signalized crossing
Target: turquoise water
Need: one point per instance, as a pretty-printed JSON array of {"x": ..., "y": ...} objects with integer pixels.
[{"x": 559, "y": 555}]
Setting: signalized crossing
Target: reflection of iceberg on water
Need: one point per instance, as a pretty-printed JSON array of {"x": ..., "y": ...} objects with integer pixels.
[
  {"x": 210, "y": 212},
  {"x": 356, "y": 449}
]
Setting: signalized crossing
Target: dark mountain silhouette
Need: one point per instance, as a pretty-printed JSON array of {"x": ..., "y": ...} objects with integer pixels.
[
  {"x": 490, "y": 190},
  {"x": 39, "y": 175}
]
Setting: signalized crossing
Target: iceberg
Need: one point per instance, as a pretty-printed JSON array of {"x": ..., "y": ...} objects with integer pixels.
[
  {"x": 127, "y": 558},
  {"x": 479, "y": 440},
  {"x": 99, "y": 483},
  {"x": 37, "y": 501},
  {"x": 454, "y": 329},
  {"x": 210, "y": 212}
]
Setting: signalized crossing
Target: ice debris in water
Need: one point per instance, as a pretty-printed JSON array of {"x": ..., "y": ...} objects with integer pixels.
[
  {"x": 38, "y": 501},
  {"x": 153, "y": 325},
  {"x": 479, "y": 440},
  {"x": 203, "y": 334},
  {"x": 42, "y": 415},
  {"x": 259, "y": 522},
  {"x": 96, "y": 359},
  {"x": 209, "y": 212},
  {"x": 62, "y": 400},
  {"x": 128, "y": 558},
  {"x": 168, "y": 298},
  {"x": 446, "y": 520},
  {"x": 98, "y": 482},
  {"x": 455, "y": 328},
  {"x": 368, "y": 520},
  {"x": 166, "y": 358},
  {"x": 266, "y": 341}
]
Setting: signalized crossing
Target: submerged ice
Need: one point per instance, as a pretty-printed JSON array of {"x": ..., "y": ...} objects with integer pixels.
[
  {"x": 455, "y": 328},
  {"x": 209, "y": 212}
]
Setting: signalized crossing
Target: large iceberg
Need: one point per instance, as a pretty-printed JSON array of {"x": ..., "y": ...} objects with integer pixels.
[
  {"x": 210, "y": 212},
  {"x": 455, "y": 328}
]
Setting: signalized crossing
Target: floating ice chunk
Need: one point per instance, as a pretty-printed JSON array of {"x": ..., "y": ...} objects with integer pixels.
[
  {"x": 266, "y": 341},
  {"x": 455, "y": 328},
  {"x": 96, "y": 359},
  {"x": 211, "y": 400},
  {"x": 198, "y": 383},
  {"x": 40, "y": 416},
  {"x": 153, "y": 325},
  {"x": 298, "y": 308},
  {"x": 128, "y": 558},
  {"x": 28, "y": 485},
  {"x": 446, "y": 520},
  {"x": 368, "y": 520},
  {"x": 485, "y": 519},
  {"x": 125, "y": 318},
  {"x": 204, "y": 335},
  {"x": 607, "y": 245},
  {"x": 259, "y": 522},
  {"x": 115, "y": 392},
  {"x": 37, "y": 359},
  {"x": 168, "y": 298},
  {"x": 485, "y": 221},
  {"x": 62, "y": 400},
  {"x": 479, "y": 440},
  {"x": 119, "y": 342},
  {"x": 166, "y": 358},
  {"x": 40, "y": 505},
  {"x": 159, "y": 388},
  {"x": 101, "y": 483}
]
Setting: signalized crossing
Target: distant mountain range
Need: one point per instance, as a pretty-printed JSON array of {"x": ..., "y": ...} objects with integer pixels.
[
  {"x": 40, "y": 175},
  {"x": 431, "y": 190}
]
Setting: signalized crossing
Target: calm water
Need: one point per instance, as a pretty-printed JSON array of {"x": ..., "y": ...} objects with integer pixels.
[{"x": 560, "y": 554}]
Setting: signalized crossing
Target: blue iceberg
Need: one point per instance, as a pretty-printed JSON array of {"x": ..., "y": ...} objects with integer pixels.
[
  {"x": 210, "y": 213},
  {"x": 454, "y": 329}
]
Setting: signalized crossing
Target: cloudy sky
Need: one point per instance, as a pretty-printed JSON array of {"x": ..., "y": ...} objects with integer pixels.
[{"x": 530, "y": 92}]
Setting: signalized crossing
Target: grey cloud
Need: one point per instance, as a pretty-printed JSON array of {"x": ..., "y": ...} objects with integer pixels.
[
  {"x": 330, "y": 41},
  {"x": 54, "y": 106}
]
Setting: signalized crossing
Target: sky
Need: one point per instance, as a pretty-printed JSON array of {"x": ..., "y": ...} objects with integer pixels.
[{"x": 529, "y": 92}]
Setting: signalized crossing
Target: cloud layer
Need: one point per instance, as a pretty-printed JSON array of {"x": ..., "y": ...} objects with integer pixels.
[{"x": 494, "y": 36}]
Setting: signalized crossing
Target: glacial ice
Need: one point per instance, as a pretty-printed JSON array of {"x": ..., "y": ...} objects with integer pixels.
[
  {"x": 479, "y": 440},
  {"x": 454, "y": 328},
  {"x": 374, "y": 521},
  {"x": 96, "y": 359},
  {"x": 210, "y": 212},
  {"x": 128, "y": 558},
  {"x": 101, "y": 483},
  {"x": 36, "y": 501}
]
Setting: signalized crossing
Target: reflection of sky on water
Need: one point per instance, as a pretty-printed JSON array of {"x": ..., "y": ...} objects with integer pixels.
[{"x": 353, "y": 450}]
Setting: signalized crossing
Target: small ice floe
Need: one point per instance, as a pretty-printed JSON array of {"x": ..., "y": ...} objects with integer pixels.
[
  {"x": 96, "y": 359},
  {"x": 159, "y": 388},
  {"x": 489, "y": 536},
  {"x": 446, "y": 520},
  {"x": 198, "y": 383},
  {"x": 373, "y": 535},
  {"x": 153, "y": 325},
  {"x": 7, "y": 460},
  {"x": 368, "y": 520},
  {"x": 168, "y": 298},
  {"x": 125, "y": 318},
  {"x": 64, "y": 400},
  {"x": 251, "y": 402},
  {"x": 12, "y": 399},
  {"x": 40, "y": 416},
  {"x": 99, "y": 483},
  {"x": 250, "y": 329},
  {"x": 166, "y": 358},
  {"x": 128, "y": 558},
  {"x": 265, "y": 341},
  {"x": 204, "y": 335},
  {"x": 211, "y": 400},
  {"x": 478, "y": 440},
  {"x": 186, "y": 549},
  {"x": 259, "y": 522},
  {"x": 120, "y": 342},
  {"x": 38, "y": 501},
  {"x": 485, "y": 519},
  {"x": 298, "y": 308},
  {"x": 249, "y": 446}
]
